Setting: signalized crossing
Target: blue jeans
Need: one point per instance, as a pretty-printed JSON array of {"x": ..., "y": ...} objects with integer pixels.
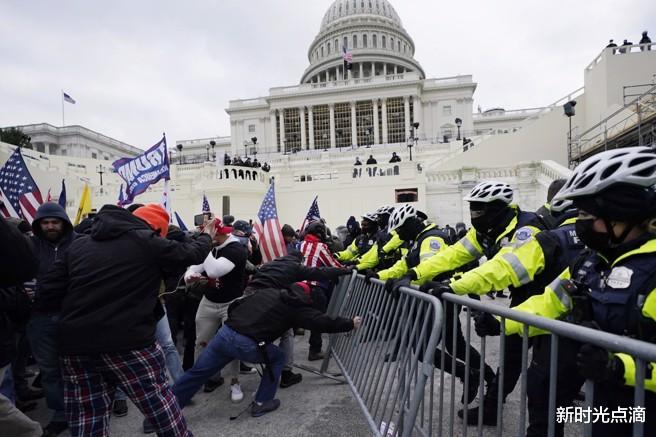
[
  {"x": 171, "y": 355},
  {"x": 42, "y": 333},
  {"x": 7, "y": 385},
  {"x": 228, "y": 345}
]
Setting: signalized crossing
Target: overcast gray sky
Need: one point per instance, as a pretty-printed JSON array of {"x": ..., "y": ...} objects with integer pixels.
[{"x": 139, "y": 68}]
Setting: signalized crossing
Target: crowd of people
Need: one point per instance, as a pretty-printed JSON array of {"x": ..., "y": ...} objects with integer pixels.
[
  {"x": 103, "y": 308},
  {"x": 245, "y": 162}
]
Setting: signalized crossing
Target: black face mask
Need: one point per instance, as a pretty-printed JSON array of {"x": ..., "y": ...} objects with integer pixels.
[
  {"x": 487, "y": 221},
  {"x": 598, "y": 241}
]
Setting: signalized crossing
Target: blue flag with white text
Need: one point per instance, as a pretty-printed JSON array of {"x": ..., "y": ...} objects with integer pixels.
[
  {"x": 144, "y": 170},
  {"x": 62, "y": 196}
]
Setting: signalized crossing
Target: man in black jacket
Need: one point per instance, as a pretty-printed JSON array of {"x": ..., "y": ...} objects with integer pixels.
[
  {"x": 18, "y": 264},
  {"x": 53, "y": 235},
  {"x": 271, "y": 306},
  {"x": 105, "y": 289}
]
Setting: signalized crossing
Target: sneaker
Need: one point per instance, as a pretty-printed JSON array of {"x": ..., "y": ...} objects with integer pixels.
[
  {"x": 246, "y": 369},
  {"x": 120, "y": 408},
  {"x": 289, "y": 378},
  {"x": 147, "y": 427},
  {"x": 53, "y": 429},
  {"x": 316, "y": 356},
  {"x": 236, "y": 395},
  {"x": 260, "y": 409},
  {"x": 212, "y": 385}
]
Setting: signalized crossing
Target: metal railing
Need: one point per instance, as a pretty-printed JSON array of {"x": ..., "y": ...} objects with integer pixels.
[{"x": 389, "y": 360}]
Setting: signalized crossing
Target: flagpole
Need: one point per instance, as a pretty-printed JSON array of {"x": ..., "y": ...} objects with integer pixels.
[{"x": 62, "y": 98}]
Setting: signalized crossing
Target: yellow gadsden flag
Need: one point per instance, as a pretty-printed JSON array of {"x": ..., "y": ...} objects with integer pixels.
[{"x": 85, "y": 205}]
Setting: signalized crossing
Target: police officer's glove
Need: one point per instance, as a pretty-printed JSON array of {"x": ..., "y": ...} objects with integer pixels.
[
  {"x": 436, "y": 288},
  {"x": 599, "y": 365},
  {"x": 581, "y": 305},
  {"x": 335, "y": 272},
  {"x": 348, "y": 263},
  {"x": 485, "y": 324},
  {"x": 369, "y": 275}
]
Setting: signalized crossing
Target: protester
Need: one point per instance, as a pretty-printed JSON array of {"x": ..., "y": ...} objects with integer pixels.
[
  {"x": 645, "y": 42},
  {"x": 53, "y": 235},
  {"x": 105, "y": 290},
  {"x": 395, "y": 158},
  {"x": 224, "y": 272},
  {"x": 357, "y": 161},
  {"x": 371, "y": 160},
  {"x": 17, "y": 264},
  {"x": 254, "y": 322}
]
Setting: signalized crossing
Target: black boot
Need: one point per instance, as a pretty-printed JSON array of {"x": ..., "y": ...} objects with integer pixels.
[
  {"x": 472, "y": 389},
  {"x": 289, "y": 378},
  {"x": 489, "y": 413}
]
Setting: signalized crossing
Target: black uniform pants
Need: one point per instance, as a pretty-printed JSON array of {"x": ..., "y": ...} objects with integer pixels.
[{"x": 568, "y": 383}]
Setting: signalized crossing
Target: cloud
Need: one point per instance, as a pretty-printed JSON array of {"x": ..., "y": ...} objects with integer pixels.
[{"x": 137, "y": 69}]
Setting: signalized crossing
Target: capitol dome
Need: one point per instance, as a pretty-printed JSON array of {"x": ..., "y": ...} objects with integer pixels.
[{"x": 372, "y": 32}]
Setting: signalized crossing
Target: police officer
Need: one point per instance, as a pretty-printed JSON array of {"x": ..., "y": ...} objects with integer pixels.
[
  {"x": 497, "y": 225},
  {"x": 611, "y": 286},
  {"x": 362, "y": 243},
  {"x": 532, "y": 263},
  {"x": 388, "y": 248}
]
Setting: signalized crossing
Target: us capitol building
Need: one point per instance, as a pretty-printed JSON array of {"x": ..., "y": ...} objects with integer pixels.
[{"x": 312, "y": 132}]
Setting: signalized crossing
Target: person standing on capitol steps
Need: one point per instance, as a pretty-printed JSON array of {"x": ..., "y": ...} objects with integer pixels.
[
  {"x": 497, "y": 226},
  {"x": 611, "y": 286},
  {"x": 105, "y": 289}
]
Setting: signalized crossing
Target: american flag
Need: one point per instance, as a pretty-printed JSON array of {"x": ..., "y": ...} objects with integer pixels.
[
  {"x": 19, "y": 193},
  {"x": 312, "y": 215},
  {"x": 267, "y": 228},
  {"x": 68, "y": 98},
  {"x": 348, "y": 59},
  {"x": 206, "y": 204}
]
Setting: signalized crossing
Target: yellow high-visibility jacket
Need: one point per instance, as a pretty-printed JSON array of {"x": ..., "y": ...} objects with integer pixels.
[{"x": 555, "y": 302}]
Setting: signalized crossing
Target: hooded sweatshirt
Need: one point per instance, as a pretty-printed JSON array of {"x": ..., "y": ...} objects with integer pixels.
[{"x": 107, "y": 283}]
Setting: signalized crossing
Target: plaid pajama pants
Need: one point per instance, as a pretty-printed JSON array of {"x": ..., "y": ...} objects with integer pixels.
[{"x": 90, "y": 382}]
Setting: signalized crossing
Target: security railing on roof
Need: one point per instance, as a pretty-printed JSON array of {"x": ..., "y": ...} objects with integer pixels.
[{"x": 631, "y": 115}]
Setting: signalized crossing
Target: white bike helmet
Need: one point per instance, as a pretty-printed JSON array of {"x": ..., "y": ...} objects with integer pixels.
[
  {"x": 490, "y": 191},
  {"x": 387, "y": 209},
  {"x": 370, "y": 216},
  {"x": 400, "y": 215},
  {"x": 630, "y": 166},
  {"x": 560, "y": 205}
]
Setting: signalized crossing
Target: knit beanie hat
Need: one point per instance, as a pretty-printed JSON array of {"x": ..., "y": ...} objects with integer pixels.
[{"x": 155, "y": 216}]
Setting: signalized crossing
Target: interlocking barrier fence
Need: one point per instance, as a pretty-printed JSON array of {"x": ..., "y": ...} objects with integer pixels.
[{"x": 390, "y": 362}]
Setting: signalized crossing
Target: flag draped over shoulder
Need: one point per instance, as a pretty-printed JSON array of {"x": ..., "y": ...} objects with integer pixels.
[
  {"x": 19, "y": 194},
  {"x": 85, "y": 205},
  {"x": 267, "y": 227},
  {"x": 144, "y": 170},
  {"x": 313, "y": 214}
]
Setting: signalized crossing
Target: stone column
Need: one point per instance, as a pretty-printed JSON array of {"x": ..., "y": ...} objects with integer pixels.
[
  {"x": 301, "y": 113},
  {"x": 327, "y": 76},
  {"x": 311, "y": 123},
  {"x": 396, "y": 69},
  {"x": 282, "y": 130},
  {"x": 385, "y": 69},
  {"x": 419, "y": 115},
  {"x": 375, "y": 109},
  {"x": 331, "y": 106},
  {"x": 406, "y": 107},
  {"x": 373, "y": 69},
  {"x": 383, "y": 109},
  {"x": 274, "y": 134},
  {"x": 354, "y": 125},
  {"x": 361, "y": 70}
]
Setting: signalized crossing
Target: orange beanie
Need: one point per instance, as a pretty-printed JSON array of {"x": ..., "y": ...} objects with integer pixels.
[{"x": 155, "y": 216}]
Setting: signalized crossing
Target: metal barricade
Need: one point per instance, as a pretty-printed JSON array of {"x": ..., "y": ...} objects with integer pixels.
[
  {"x": 388, "y": 361},
  {"x": 642, "y": 352}
]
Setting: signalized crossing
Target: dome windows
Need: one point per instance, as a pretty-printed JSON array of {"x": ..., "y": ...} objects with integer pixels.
[
  {"x": 364, "y": 40},
  {"x": 374, "y": 41},
  {"x": 384, "y": 42}
]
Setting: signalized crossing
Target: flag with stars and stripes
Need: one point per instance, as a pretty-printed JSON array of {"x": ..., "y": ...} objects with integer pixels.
[
  {"x": 267, "y": 227},
  {"x": 206, "y": 204},
  {"x": 19, "y": 194},
  {"x": 313, "y": 214}
]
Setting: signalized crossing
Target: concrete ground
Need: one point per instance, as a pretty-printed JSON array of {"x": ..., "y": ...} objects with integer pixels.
[{"x": 316, "y": 407}]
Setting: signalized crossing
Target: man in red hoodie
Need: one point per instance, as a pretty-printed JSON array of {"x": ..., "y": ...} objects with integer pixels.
[{"x": 316, "y": 254}]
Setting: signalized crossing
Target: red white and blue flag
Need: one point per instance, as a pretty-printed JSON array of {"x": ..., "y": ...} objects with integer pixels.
[
  {"x": 19, "y": 194},
  {"x": 206, "y": 205},
  {"x": 68, "y": 98},
  {"x": 313, "y": 214},
  {"x": 267, "y": 227},
  {"x": 348, "y": 58}
]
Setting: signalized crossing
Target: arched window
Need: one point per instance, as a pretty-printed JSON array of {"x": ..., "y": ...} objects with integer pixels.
[
  {"x": 398, "y": 44},
  {"x": 384, "y": 41},
  {"x": 322, "y": 51},
  {"x": 374, "y": 41},
  {"x": 336, "y": 45},
  {"x": 364, "y": 40},
  {"x": 355, "y": 41},
  {"x": 391, "y": 42},
  {"x": 346, "y": 41},
  {"x": 328, "y": 47}
]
